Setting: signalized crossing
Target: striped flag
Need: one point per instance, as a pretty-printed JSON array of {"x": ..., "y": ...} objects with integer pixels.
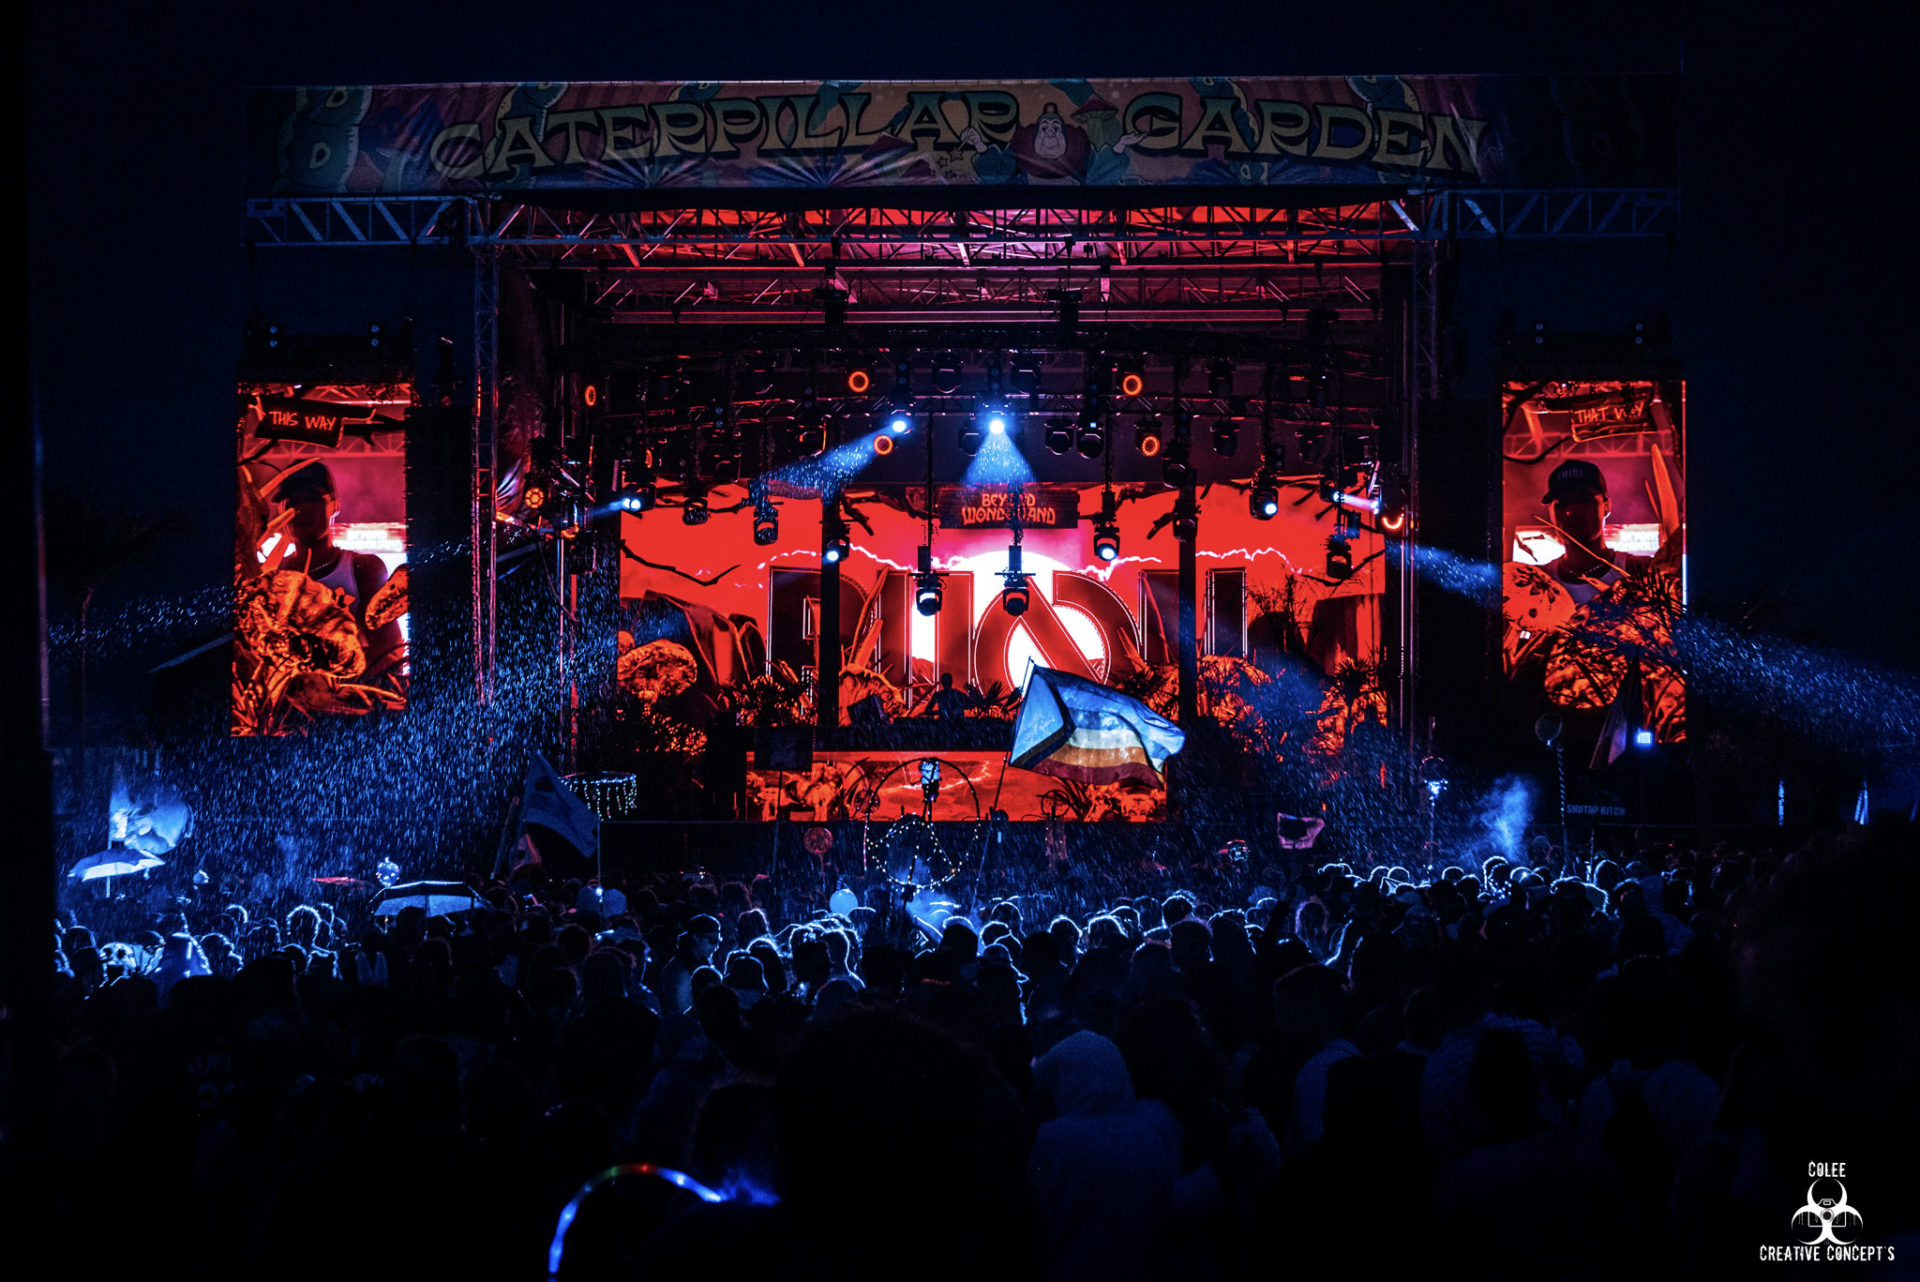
[{"x": 1077, "y": 729}]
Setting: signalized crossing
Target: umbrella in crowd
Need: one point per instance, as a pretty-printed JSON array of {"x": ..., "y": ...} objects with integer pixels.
[
  {"x": 435, "y": 898},
  {"x": 118, "y": 862}
]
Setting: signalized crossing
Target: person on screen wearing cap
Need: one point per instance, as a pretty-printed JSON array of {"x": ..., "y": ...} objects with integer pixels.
[
  {"x": 1577, "y": 500},
  {"x": 308, "y": 493}
]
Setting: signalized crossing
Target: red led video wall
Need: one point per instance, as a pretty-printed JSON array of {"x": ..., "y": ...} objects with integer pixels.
[
  {"x": 320, "y": 580},
  {"x": 738, "y": 613},
  {"x": 1594, "y": 540}
]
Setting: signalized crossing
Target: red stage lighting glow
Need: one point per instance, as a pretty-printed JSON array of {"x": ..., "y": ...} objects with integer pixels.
[
  {"x": 591, "y": 395},
  {"x": 1395, "y": 522},
  {"x": 883, "y": 444},
  {"x": 1132, "y": 384},
  {"x": 858, "y": 381}
]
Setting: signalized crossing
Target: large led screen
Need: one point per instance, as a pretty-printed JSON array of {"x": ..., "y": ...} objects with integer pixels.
[
  {"x": 1595, "y": 568},
  {"x": 717, "y": 625},
  {"x": 320, "y": 583}
]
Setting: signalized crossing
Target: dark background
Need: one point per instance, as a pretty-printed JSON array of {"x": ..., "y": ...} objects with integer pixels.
[{"x": 1789, "y": 286}]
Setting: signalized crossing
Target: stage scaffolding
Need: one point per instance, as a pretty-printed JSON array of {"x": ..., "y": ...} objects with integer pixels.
[{"x": 986, "y": 257}]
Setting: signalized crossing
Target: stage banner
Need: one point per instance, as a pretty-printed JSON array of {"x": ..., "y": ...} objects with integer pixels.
[{"x": 1218, "y": 132}]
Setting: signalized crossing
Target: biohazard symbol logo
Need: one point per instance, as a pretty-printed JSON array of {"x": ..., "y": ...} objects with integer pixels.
[{"x": 1825, "y": 1215}]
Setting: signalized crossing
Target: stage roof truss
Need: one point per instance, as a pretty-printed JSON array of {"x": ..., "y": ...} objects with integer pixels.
[{"x": 1582, "y": 214}]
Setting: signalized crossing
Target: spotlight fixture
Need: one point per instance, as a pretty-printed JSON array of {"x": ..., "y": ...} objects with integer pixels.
[
  {"x": 900, "y": 422},
  {"x": 1186, "y": 519},
  {"x": 809, "y": 405},
  {"x": 1147, "y": 438},
  {"x": 971, "y": 438},
  {"x": 766, "y": 523},
  {"x": 1133, "y": 379},
  {"x": 837, "y": 546},
  {"x": 1263, "y": 501},
  {"x": 694, "y": 510},
  {"x": 997, "y": 422},
  {"x": 1106, "y": 527},
  {"x": 636, "y": 493},
  {"x": 946, "y": 377},
  {"x": 859, "y": 381},
  {"x": 1014, "y": 597},
  {"x": 1226, "y": 438},
  {"x": 1339, "y": 559},
  {"x": 1059, "y": 437},
  {"x": 926, "y": 585},
  {"x": 1175, "y": 468},
  {"x": 1092, "y": 439},
  {"x": 882, "y": 444},
  {"x": 536, "y": 490},
  {"x": 1393, "y": 504}
]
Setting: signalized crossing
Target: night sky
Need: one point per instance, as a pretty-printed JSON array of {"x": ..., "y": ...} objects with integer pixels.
[{"x": 1790, "y": 287}]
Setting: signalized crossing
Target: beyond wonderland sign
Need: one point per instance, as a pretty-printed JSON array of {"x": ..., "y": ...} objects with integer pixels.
[{"x": 1205, "y": 131}]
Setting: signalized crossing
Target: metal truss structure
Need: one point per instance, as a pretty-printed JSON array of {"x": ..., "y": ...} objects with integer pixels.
[{"x": 1218, "y": 265}]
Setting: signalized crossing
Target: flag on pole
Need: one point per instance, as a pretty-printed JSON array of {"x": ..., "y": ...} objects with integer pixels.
[
  {"x": 1077, "y": 729},
  {"x": 1623, "y": 718},
  {"x": 551, "y": 804}
]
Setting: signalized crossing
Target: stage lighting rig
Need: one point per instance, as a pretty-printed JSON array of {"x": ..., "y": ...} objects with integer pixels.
[
  {"x": 1339, "y": 559},
  {"x": 946, "y": 376},
  {"x": 1220, "y": 380},
  {"x": 1015, "y": 596},
  {"x": 1263, "y": 501},
  {"x": 1060, "y": 437},
  {"x": 636, "y": 491},
  {"x": 926, "y": 585},
  {"x": 535, "y": 491},
  {"x": 859, "y": 380},
  {"x": 1186, "y": 519},
  {"x": 1106, "y": 528},
  {"x": 882, "y": 444},
  {"x": 1133, "y": 379},
  {"x": 636, "y": 499},
  {"x": 971, "y": 438},
  {"x": 1176, "y": 467},
  {"x": 1393, "y": 505},
  {"x": 836, "y": 546},
  {"x": 766, "y": 522},
  {"x": 900, "y": 420},
  {"x": 1092, "y": 439},
  {"x": 1147, "y": 438},
  {"x": 693, "y": 508}
]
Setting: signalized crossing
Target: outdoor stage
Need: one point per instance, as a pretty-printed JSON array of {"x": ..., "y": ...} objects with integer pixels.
[{"x": 1158, "y": 384}]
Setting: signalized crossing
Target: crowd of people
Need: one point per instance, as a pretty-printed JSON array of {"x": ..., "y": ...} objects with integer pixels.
[{"x": 1555, "y": 1067}]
